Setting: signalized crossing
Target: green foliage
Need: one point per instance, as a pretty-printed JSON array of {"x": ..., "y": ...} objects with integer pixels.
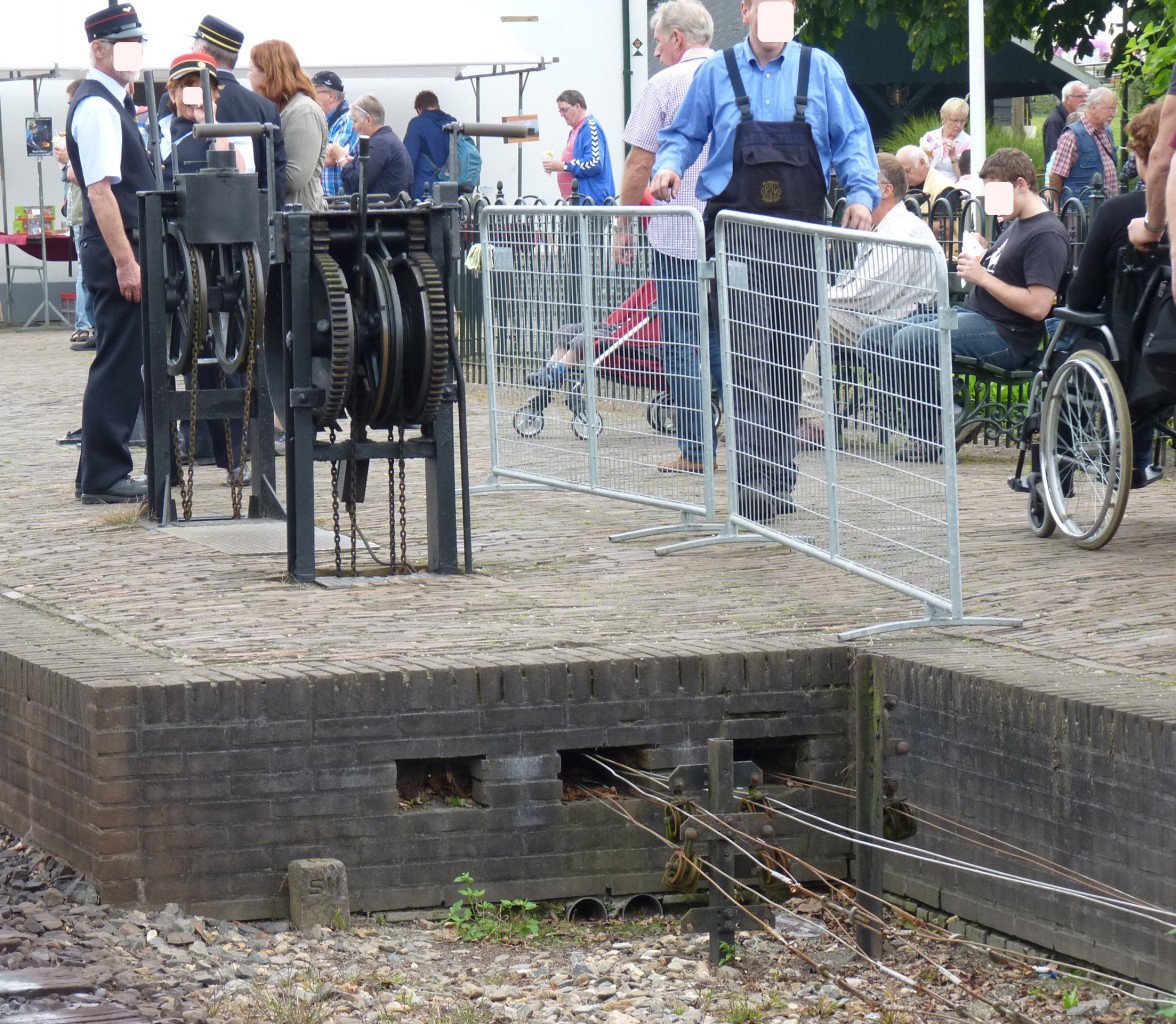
[
  {"x": 477, "y": 918},
  {"x": 742, "y": 1012},
  {"x": 1150, "y": 53},
  {"x": 1070, "y": 998},
  {"x": 728, "y": 953}
]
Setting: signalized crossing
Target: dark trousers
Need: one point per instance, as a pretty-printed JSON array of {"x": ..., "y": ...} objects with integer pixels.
[{"x": 114, "y": 387}]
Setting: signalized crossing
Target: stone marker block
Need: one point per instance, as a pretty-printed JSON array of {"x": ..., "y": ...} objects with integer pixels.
[{"x": 318, "y": 893}]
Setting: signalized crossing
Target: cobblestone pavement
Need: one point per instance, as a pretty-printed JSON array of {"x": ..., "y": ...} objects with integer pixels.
[{"x": 547, "y": 576}]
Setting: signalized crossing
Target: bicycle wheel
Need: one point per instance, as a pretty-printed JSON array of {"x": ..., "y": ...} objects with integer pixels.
[{"x": 1086, "y": 449}]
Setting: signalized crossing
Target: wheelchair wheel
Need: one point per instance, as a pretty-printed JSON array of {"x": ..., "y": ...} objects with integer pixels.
[
  {"x": 528, "y": 421},
  {"x": 1086, "y": 449},
  {"x": 1041, "y": 520}
]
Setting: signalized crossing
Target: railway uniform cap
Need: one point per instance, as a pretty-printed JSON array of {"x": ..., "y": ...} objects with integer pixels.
[
  {"x": 192, "y": 64},
  {"x": 328, "y": 80},
  {"x": 220, "y": 33},
  {"x": 113, "y": 24}
]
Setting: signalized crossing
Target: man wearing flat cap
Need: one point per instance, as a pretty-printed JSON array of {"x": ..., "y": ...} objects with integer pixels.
[
  {"x": 107, "y": 154},
  {"x": 328, "y": 91},
  {"x": 222, "y": 43}
]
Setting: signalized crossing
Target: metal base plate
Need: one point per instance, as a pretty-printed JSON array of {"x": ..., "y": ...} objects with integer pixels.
[{"x": 244, "y": 536}]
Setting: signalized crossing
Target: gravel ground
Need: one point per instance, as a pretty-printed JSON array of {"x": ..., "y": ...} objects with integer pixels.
[{"x": 169, "y": 966}]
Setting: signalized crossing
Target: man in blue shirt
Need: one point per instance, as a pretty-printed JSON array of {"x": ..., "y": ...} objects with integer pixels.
[
  {"x": 328, "y": 91},
  {"x": 771, "y": 330},
  {"x": 426, "y": 142}
]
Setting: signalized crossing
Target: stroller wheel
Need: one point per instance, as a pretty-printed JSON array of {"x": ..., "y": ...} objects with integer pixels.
[
  {"x": 528, "y": 421},
  {"x": 660, "y": 413},
  {"x": 580, "y": 425}
]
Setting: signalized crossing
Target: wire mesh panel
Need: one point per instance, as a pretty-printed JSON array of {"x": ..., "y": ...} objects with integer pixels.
[
  {"x": 836, "y": 349},
  {"x": 592, "y": 348}
]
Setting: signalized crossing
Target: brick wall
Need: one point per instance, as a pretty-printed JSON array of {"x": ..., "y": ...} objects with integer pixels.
[
  {"x": 1078, "y": 769},
  {"x": 200, "y": 788}
]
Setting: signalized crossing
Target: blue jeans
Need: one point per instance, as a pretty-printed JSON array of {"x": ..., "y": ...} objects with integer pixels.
[
  {"x": 677, "y": 305},
  {"x": 904, "y": 356},
  {"x": 83, "y": 304}
]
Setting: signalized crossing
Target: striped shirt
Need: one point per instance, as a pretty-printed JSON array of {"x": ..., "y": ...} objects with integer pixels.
[{"x": 655, "y": 110}]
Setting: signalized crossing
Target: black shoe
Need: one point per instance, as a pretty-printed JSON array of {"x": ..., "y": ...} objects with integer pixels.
[
  {"x": 763, "y": 508},
  {"x": 1141, "y": 476},
  {"x": 128, "y": 489},
  {"x": 71, "y": 437},
  {"x": 918, "y": 451},
  {"x": 967, "y": 433}
]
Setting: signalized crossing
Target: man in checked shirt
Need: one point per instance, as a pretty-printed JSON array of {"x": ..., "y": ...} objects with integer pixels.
[{"x": 682, "y": 30}]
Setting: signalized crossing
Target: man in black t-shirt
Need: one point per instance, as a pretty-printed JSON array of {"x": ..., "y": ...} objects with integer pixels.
[{"x": 1015, "y": 282}]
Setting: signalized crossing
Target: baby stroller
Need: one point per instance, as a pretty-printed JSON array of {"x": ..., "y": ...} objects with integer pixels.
[
  {"x": 1106, "y": 383},
  {"x": 626, "y": 349}
]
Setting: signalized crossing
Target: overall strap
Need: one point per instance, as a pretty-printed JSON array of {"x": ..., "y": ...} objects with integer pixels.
[
  {"x": 802, "y": 81},
  {"x": 741, "y": 100}
]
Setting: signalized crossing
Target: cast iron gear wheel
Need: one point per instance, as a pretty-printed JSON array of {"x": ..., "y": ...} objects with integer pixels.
[
  {"x": 185, "y": 287},
  {"x": 426, "y": 349},
  {"x": 332, "y": 338},
  {"x": 379, "y": 345},
  {"x": 237, "y": 272}
]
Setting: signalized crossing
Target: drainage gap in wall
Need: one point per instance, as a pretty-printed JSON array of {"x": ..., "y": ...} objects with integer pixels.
[
  {"x": 435, "y": 782},
  {"x": 774, "y": 757},
  {"x": 586, "y": 773}
]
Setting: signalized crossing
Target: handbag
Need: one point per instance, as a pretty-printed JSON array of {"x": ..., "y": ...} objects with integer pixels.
[{"x": 1159, "y": 333}]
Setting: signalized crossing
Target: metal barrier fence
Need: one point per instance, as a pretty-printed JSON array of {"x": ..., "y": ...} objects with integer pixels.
[
  {"x": 591, "y": 355},
  {"x": 853, "y": 460}
]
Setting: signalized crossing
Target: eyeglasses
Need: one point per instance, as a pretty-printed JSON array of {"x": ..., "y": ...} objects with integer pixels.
[{"x": 563, "y": 109}]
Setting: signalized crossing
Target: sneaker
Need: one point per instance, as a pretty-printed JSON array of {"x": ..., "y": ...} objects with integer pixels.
[
  {"x": 280, "y": 444},
  {"x": 241, "y": 473},
  {"x": 681, "y": 464},
  {"x": 967, "y": 433},
  {"x": 918, "y": 451},
  {"x": 128, "y": 489}
]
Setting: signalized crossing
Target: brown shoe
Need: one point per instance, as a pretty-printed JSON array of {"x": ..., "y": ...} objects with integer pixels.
[{"x": 681, "y": 464}]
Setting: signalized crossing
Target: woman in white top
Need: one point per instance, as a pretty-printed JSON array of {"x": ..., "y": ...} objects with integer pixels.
[{"x": 943, "y": 145}]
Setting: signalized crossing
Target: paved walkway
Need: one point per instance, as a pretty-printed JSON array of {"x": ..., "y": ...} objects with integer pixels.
[{"x": 547, "y": 579}]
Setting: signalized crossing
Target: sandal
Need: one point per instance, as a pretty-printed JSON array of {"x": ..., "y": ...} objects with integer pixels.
[{"x": 79, "y": 336}]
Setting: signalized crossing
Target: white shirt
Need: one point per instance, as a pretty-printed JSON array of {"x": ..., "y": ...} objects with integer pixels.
[
  {"x": 655, "y": 109},
  {"x": 97, "y": 129},
  {"x": 887, "y": 282}
]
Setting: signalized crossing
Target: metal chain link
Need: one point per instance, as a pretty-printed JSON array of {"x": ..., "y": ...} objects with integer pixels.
[
  {"x": 391, "y": 512},
  {"x": 404, "y": 566},
  {"x": 335, "y": 507},
  {"x": 237, "y": 474}
]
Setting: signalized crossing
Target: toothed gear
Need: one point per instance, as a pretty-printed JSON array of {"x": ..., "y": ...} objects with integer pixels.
[{"x": 340, "y": 365}]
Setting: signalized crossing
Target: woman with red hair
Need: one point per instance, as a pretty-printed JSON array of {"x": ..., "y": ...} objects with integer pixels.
[{"x": 277, "y": 75}]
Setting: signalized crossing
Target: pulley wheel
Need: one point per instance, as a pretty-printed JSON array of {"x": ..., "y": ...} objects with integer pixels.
[
  {"x": 426, "y": 348},
  {"x": 185, "y": 287},
  {"x": 379, "y": 345},
  {"x": 236, "y": 272}
]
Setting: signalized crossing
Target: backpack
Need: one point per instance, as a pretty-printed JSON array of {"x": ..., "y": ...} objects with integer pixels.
[{"x": 469, "y": 165}]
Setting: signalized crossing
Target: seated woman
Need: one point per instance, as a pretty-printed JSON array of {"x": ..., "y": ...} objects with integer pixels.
[{"x": 1092, "y": 286}]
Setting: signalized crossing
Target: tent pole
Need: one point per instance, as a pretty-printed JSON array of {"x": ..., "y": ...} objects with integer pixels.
[{"x": 4, "y": 205}]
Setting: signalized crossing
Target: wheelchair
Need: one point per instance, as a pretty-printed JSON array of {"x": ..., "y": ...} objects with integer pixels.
[{"x": 1091, "y": 399}]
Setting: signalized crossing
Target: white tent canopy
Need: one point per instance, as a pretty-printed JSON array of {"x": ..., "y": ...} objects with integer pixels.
[{"x": 399, "y": 38}]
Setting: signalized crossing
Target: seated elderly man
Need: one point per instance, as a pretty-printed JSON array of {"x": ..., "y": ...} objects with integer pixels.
[
  {"x": 921, "y": 175},
  {"x": 1015, "y": 282},
  {"x": 885, "y": 283}
]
